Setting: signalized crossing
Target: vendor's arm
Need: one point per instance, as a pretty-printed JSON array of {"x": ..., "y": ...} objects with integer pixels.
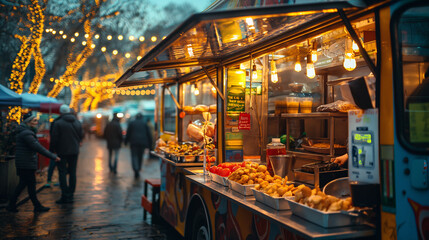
[{"x": 341, "y": 160}]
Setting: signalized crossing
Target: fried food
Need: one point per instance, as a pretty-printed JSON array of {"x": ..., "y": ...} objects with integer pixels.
[{"x": 315, "y": 198}]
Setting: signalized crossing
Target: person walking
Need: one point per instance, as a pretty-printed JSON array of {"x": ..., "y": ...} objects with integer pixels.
[
  {"x": 27, "y": 147},
  {"x": 66, "y": 138},
  {"x": 140, "y": 138},
  {"x": 113, "y": 136}
]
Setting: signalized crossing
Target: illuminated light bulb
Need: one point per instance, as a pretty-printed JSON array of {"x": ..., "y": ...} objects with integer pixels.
[
  {"x": 122, "y": 92},
  {"x": 311, "y": 73},
  {"x": 83, "y": 87},
  {"x": 153, "y": 39},
  {"x": 164, "y": 37},
  {"x": 131, "y": 38},
  {"x": 47, "y": 30},
  {"x": 141, "y": 39},
  {"x": 314, "y": 56},
  {"x": 254, "y": 71},
  {"x": 355, "y": 47},
  {"x": 109, "y": 37},
  {"x": 86, "y": 35},
  {"x": 213, "y": 89},
  {"x": 147, "y": 92},
  {"x": 84, "y": 43},
  {"x": 127, "y": 55},
  {"x": 190, "y": 50},
  {"x": 143, "y": 92},
  {"x": 103, "y": 49},
  {"x": 93, "y": 45},
  {"x": 98, "y": 115},
  {"x": 137, "y": 92},
  {"x": 349, "y": 61},
  {"x": 61, "y": 32},
  {"x": 51, "y": 79},
  {"x": 54, "y": 32},
  {"x": 76, "y": 34},
  {"x": 138, "y": 58},
  {"x": 56, "y": 80},
  {"x": 196, "y": 90},
  {"x": 76, "y": 82},
  {"x": 274, "y": 76},
  {"x": 115, "y": 52},
  {"x": 120, "y": 37},
  {"x": 152, "y": 91},
  {"x": 242, "y": 66},
  {"x": 97, "y": 36},
  {"x": 298, "y": 66},
  {"x": 133, "y": 92},
  {"x": 250, "y": 23},
  {"x": 72, "y": 39},
  {"x": 92, "y": 84}
]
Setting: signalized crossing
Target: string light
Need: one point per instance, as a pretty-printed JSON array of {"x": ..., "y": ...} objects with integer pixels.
[
  {"x": 349, "y": 61},
  {"x": 196, "y": 90},
  {"x": 72, "y": 39},
  {"x": 61, "y": 32},
  {"x": 64, "y": 36},
  {"x": 54, "y": 32},
  {"x": 141, "y": 39},
  {"x": 131, "y": 38},
  {"x": 127, "y": 55},
  {"x": 86, "y": 35},
  {"x": 76, "y": 34},
  {"x": 84, "y": 43},
  {"x": 153, "y": 39},
  {"x": 97, "y": 36},
  {"x": 138, "y": 58},
  {"x": 314, "y": 52},
  {"x": 115, "y": 52},
  {"x": 103, "y": 49},
  {"x": 93, "y": 45},
  {"x": 120, "y": 37},
  {"x": 109, "y": 37},
  {"x": 355, "y": 47}
]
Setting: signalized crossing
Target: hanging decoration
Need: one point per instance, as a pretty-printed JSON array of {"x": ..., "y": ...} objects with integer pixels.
[{"x": 37, "y": 19}]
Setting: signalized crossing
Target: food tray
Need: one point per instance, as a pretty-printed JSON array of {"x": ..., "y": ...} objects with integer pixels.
[
  {"x": 218, "y": 179},
  {"x": 278, "y": 203},
  {"x": 322, "y": 166},
  {"x": 259, "y": 196},
  {"x": 324, "y": 219},
  {"x": 184, "y": 159},
  {"x": 337, "y": 150},
  {"x": 242, "y": 189}
]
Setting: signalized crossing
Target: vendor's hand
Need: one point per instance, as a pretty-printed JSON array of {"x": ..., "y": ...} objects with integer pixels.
[
  {"x": 341, "y": 160},
  {"x": 57, "y": 159}
]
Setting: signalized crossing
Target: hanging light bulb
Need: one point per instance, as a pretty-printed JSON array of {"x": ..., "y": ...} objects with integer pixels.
[
  {"x": 250, "y": 24},
  {"x": 103, "y": 49},
  {"x": 274, "y": 76},
  {"x": 311, "y": 73},
  {"x": 141, "y": 39},
  {"x": 76, "y": 34},
  {"x": 127, "y": 55},
  {"x": 115, "y": 52},
  {"x": 314, "y": 52},
  {"x": 109, "y": 37},
  {"x": 120, "y": 37},
  {"x": 84, "y": 43},
  {"x": 72, "y": 39},
  {"x": 190, "y": 50},
  {"x": 297, "y": 65},
  {"x": 349, "y": 61},
  {"x": 196, "y": 91},
  {"x": 153, "y": 39},
  {"x": 213, "y": 89},
  {"x": 355, "y": 47},
  {"x": 254, "y": 71},
  {"x": 86, "y": 35},
  {"x": 242, "y": 66},
  {"x": 61, "y": 32},
  {"x": 97, "y": 36}
]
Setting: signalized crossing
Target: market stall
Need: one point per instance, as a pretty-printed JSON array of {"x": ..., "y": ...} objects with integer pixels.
[{"x": 269, "y": 95}]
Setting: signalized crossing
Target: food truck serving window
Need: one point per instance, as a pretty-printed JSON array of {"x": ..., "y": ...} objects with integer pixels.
[{"x": 412, "y": 84}]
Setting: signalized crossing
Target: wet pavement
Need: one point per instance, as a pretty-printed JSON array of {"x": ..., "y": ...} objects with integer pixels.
[{"x": 105, "y": 206}]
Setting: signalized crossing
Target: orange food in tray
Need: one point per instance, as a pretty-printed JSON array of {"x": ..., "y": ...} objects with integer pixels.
[{"x": 326, "y": 145}]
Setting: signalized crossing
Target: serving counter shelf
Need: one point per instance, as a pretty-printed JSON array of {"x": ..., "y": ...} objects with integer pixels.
[
  {"x": 190, "y": 164},
  {"x": 284, "y": 218}
]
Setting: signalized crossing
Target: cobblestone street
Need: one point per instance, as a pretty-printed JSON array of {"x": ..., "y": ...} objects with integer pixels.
[{"x": 105, "y": 206}]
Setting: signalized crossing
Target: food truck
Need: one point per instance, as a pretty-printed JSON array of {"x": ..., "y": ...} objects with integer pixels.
[{"x": 272, "y": 92}]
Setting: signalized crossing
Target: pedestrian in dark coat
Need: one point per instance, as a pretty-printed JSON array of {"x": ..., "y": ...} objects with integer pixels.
[
  {"x": 27, "y": 147},
  {"x": 140, "y": 138},
  {"x": 52, "y": 163},
  {"x": 113, "y": 136},
  {"x": 67, "y": 135}
]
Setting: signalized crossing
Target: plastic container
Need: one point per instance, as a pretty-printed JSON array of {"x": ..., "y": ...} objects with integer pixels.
[{"x": 274, "y": 148}]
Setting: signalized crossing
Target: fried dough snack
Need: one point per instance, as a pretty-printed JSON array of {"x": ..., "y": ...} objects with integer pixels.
[
  {"x": 252, "y": 173},
  {"x": 278, "y": 188},
  {"x": 320, "y": 201}
]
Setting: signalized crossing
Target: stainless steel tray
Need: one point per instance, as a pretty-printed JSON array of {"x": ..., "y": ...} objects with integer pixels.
[
  {"x": 218, "y": 179},
  {"x": 324, "y": 219},
  {"x": 259, "y": 196},
  {"x": 278, "y": 203},
  {"x": 242, "y": 189}
]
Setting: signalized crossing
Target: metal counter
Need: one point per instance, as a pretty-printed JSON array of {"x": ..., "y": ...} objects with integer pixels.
[
  {"x": 285, "y": 218},
  {"x": 196, "y": 164}
]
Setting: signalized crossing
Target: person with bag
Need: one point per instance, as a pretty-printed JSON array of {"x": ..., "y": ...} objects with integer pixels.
[
  {"x": 113, "y": 136},
  {"x": 27, "y": 147},
  {"x": 140, "y": 138},
  {"x": 67, "y": 135}
]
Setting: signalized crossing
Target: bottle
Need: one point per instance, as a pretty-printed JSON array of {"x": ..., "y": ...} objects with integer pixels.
[{"x": 274, "y": 148}]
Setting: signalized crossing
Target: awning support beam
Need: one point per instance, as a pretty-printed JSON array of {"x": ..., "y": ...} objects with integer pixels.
[
  {"x": 355, "y": 38},
  {"x": 174, "y": 98},
  {"x": 213, "y": 83}
]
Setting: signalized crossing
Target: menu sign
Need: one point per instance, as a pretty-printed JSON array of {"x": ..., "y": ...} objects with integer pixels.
[
  {"x": 244, "y": 121},
  {"x": 236, "y": 99}
]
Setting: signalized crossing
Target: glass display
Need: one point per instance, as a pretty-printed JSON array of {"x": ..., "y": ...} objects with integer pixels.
[
  {"x": 414, "y": 42},
  {"x": 170, "y": 110}
]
